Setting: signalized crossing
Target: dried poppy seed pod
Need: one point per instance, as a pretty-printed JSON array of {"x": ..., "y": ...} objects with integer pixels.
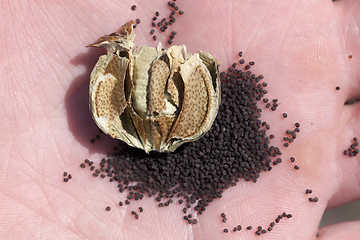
[{"x": 153, "y": 99}]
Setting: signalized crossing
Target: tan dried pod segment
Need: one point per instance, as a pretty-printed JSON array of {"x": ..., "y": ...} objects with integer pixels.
[{"x": 153, "y": 99}]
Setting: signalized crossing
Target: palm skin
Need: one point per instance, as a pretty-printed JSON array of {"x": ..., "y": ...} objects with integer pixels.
[{"x": 301, "y": 48}]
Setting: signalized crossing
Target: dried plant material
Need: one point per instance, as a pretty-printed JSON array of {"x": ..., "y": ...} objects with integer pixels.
[{"x": 153, "y": 99}]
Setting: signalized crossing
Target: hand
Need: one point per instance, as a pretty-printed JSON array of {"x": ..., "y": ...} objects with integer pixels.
[{"x": 303, "y": 51}]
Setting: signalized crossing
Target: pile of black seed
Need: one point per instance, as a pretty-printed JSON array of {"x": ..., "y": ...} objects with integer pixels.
[
  {"x": 66, "y": 176},
  {"x": 352, "y": 151},
  {"x": 236, "y": 147}
]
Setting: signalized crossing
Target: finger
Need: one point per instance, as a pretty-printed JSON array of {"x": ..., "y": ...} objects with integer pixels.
[
  {"x": 348, "y": 15},
  {"x": 347, "y": 189},
  {"x": 345, "y": 230}
]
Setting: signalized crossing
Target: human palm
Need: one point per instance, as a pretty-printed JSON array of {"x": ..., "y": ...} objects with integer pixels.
[{"x": 302, "y": 49}]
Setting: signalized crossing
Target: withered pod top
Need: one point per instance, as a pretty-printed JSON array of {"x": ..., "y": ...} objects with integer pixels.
[{"x": 153, "y": 99}]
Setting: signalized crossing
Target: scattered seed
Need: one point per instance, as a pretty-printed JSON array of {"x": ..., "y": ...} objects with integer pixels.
[
  {"x": 133, "y": 7},
  {"x": 108, "y": 208}
]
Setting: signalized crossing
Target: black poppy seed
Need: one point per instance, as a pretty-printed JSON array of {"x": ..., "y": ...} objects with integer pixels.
[
  {"x": 194, "y": 221},
  {"x": 259, "y": 228},
  {"x": 121, "y": 203},
  {"x": 157, "y": 13},
  {"x": 277, "y": 220},
  {"x": 97, "y": 137},
  {"x": 69, "y": 176},
  {"x": 239, "y": 227},
  {"x": 311, "y": 199},
  {"x": 181, "y": 12},
  {"x": 127, "y": 202},
  {"x": 153, "y": 24},
  {"x": 170, "y": 41},
  {"x": 235, "y": 229},
  {"x": 284, "y": 115},
  {"x": 66, "y": 179},
  {"x": 315, "y": 199},
  {"x": 159, "y": 24},
  {"x": 136, "y": 216},
  {"x": 152, "y": 31},
  {"x": 186, "y": 217},
  {"x": 296, "y": 167},
  {"x": 297, "y": 124},
  {"x": 263, "y": 231},
  {"x": 171, "y": 37},
  {"x": 270, "y": 229},
  {"x": 241, "y": 61},
  {"x": 92, "y": 140},
  {"x": 286, "y": 144},
  {"x": 65, "y": 174},
  {"x": 258, "y": 233},
  {"x": 141, "y": 209},
  {"x": 185, "y": 210},
  {"x": 247, "y": 67},
  {"x": 224, "y": 220},
  {"x": 240, "y": 54},
  {"x": 137, "y": 21},
  {"x": 82, "y": 165},
  {"x": 226, "y": 230},
  {"x": 133, "y": 7},
  {"x": 172, "y": 12},
  {"x": 133, "y": 212},
  {"x": 154, "y": 37},
  {"x": 337, "y": 88},
  {"x": 251, "y": 63},
  {"x": 223, "y": 215},
  {"x": 173, "y": 33},
  {"x": 289, "y": 216},
  {"x": 161, "y": 205},
  {"x": 108, "y": 208},
  {"x": 272, "y": 224},
  {"x": 162, "y": 29},
  {"x": 271, "y": 136},
  {"x": 249, "y": 228}
]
